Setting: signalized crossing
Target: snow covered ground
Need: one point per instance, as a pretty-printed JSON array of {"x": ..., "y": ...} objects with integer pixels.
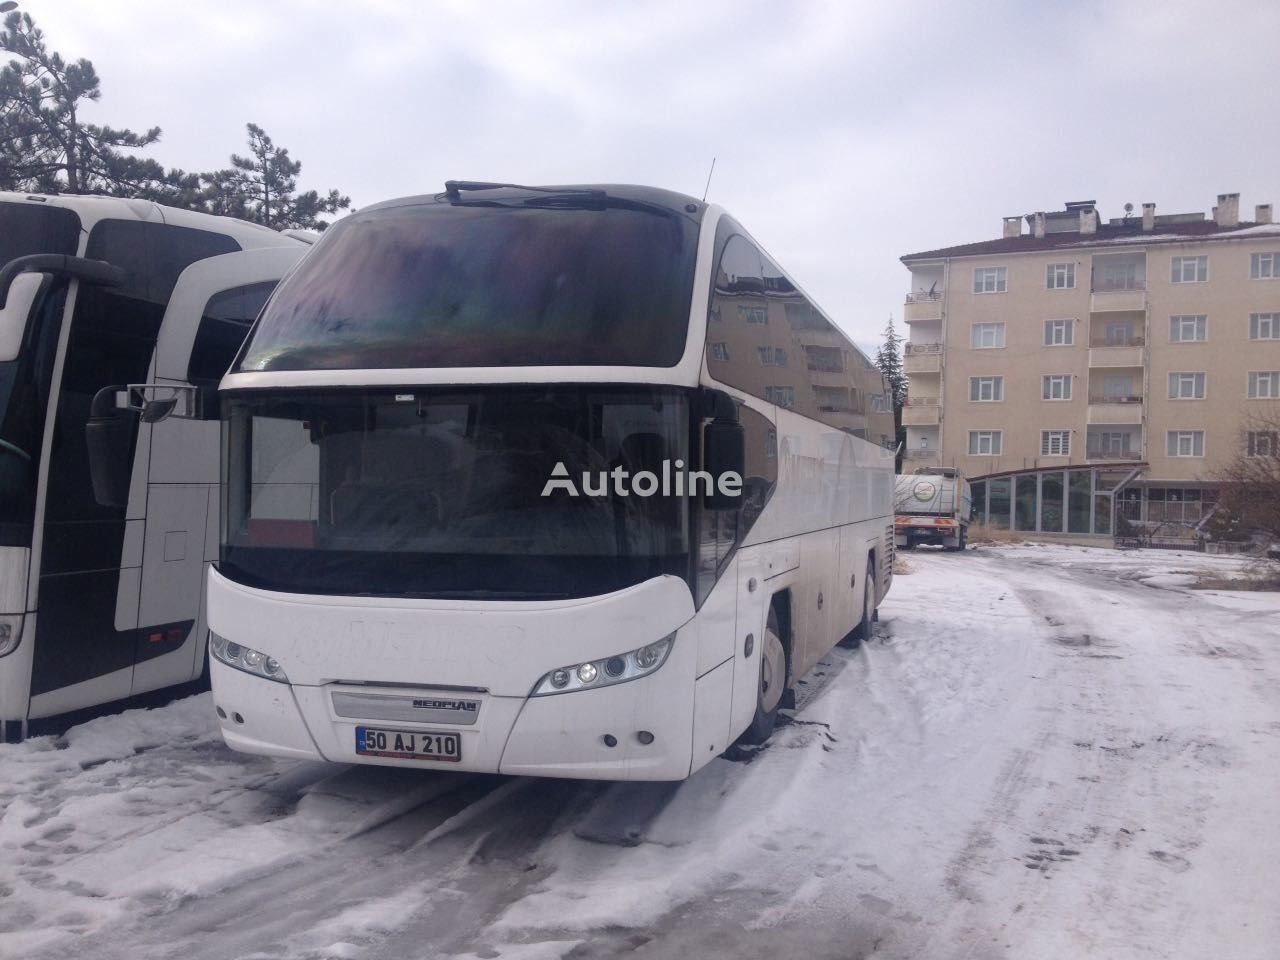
[{"x": 1047, "y": 752}]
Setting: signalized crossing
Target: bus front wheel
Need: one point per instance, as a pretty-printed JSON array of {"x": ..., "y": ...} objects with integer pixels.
[{"x": 773, "y": 681}]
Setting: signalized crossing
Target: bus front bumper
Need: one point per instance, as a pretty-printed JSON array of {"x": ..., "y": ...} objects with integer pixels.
[{"x": 640, "y": 730}]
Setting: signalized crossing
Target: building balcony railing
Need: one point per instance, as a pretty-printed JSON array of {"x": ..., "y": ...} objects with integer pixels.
[
  {"x": 1115, "y": 356},
  {"x": 922, "y": 306},
  {"x": 922, "y": 363},
  {"x": 1122, "y": 454},
  {"x": 920, "y": 456},
  {"x": 1114, "y": 412},
  {"x": 1110, "y": 398},
  {"x": 910, "y": 348},
  {"x": 1117, "y": 300},
  {"x": 1122, "y": 286},
  {"x": 916, "y": 414},
  {"x": 923, "y": 401},
  {"x": 1119, "y": 342}
]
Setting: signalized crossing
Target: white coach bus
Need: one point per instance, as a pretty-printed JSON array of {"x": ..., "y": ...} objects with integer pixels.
[
  {"x": 430, "y": 555},
  {"x": 106, "y": 528}
]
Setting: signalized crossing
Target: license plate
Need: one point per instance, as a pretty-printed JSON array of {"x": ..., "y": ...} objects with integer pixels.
[{"x": 405, "y": 745}]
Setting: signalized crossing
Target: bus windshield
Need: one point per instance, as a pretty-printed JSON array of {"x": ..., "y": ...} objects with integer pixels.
[
  {"x": 430, "y": 284},
  {"x": 27, "y": 229},
  {"x": 444, "y": 493}
]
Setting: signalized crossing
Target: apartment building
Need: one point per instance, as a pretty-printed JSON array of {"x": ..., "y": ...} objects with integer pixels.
[{"x": 1078, "y": 368}]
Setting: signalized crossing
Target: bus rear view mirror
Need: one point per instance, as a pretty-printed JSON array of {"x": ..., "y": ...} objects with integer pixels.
[
  {"x": 108, "y": 433},
  {"x": 14, "y": 314},
  {"x": 724, "y": 457}
]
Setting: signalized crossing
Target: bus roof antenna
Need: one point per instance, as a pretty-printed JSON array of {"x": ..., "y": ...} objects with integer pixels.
[{"x": 708, "y": 186}]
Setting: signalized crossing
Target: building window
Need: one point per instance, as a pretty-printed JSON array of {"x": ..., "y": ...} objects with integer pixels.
[
  {"x": 990, "y": 280},
  {"x": 1191, "y": 328},
  {"x": 758, "y": 315},
  {"x": 772, "y": 356},
  {"x": 1058, "y": 333},
  {"x": 1055, "y": 443},
  {"x": 824, "y": 359},
  {"x": 833, "y": 399},
  {"x": 1117, "y": 276},
  {"x": 1263, "y": 443},
  {"x": 1264, "y": 385},
  {"x": 984, "y": 443},
  {"x": 1264, "y": 266},
  {"x": 1186, "y": 443},
  {"x": 1110, "y": 444},
  {"x": 1190, "y": 270},
  {"x": 1057, "y": 386},
  {"x": 1264, "y": 326},
  {"x": 984, "y": 389},
  {"x": 987, "y": 336},
  {"x": 782, "y": 396},
  {"x": 1119, "y": 333},
  {"x": 1186, "y": 386},
  {"x": 880, "y": 403},
  {"x": 720, "y": 351},
  {"x": 1060, "y": 276},
  {"x": 1118, "y": 387}
]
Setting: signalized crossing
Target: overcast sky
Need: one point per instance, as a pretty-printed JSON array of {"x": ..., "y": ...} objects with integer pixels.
[{"x": 845, "y": 135}]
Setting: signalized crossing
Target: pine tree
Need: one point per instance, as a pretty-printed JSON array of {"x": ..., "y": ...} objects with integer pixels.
[
  {"x": 889, "y": 360},
  {"x": 262, "y": 187},
  {"x": 44, "y": 145}
]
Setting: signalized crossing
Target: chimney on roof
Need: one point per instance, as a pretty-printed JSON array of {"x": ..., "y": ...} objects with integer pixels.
[
  {"x": 1012, "y": 227},
  {"x": 1089, "y": 221},
  {"x": 1262, "y": 213},
  {"x": 1228, "y": 210},
  {"x": 1037, "y": 229},
  {"x": 1148, "y": 217}
]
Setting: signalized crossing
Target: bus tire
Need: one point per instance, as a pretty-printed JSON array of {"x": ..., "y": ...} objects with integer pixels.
[
  {"x": 773, "y": 681},
  {"x": 863, "y": 630}
]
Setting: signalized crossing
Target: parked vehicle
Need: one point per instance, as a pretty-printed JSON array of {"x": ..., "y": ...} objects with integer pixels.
[
  {"x": 932, "y": 506},
  {"x": 107, "y": 523},
  {"x": 423, "y": 562}
]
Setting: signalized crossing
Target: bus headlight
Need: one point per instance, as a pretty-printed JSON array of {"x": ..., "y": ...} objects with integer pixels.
[
  {"x": 246, "y": 659},
  {"x": 10, "y": 633},
  {"x": 606, "y": 671}
]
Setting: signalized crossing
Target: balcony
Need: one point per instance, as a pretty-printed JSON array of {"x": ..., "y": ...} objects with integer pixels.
[
  {"x": 1121, "y": 455},
  {"x": 923, "y": 306},
  {"x": 1127, "y": 353},
  {"x": 1117, "y": 299},
  {"x": 921, "y": 412},
  {"x": 921, "y": 458},
  {"x": 1117, "y": 410},
  {"x": 922, "y": 358}
]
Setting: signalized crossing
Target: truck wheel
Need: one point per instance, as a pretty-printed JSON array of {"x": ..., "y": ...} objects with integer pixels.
[{"x": 773, "y": 681}]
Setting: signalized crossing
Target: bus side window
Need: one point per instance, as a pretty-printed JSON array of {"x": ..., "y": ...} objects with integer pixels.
[{"x": 226, "y": 320}]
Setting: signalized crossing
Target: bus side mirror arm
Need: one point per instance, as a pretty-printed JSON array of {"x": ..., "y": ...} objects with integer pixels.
[
  {"x": 97, "y": 272},
  {"x": 155, "y": 402},
  {"x": 111, "y": 427}
]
